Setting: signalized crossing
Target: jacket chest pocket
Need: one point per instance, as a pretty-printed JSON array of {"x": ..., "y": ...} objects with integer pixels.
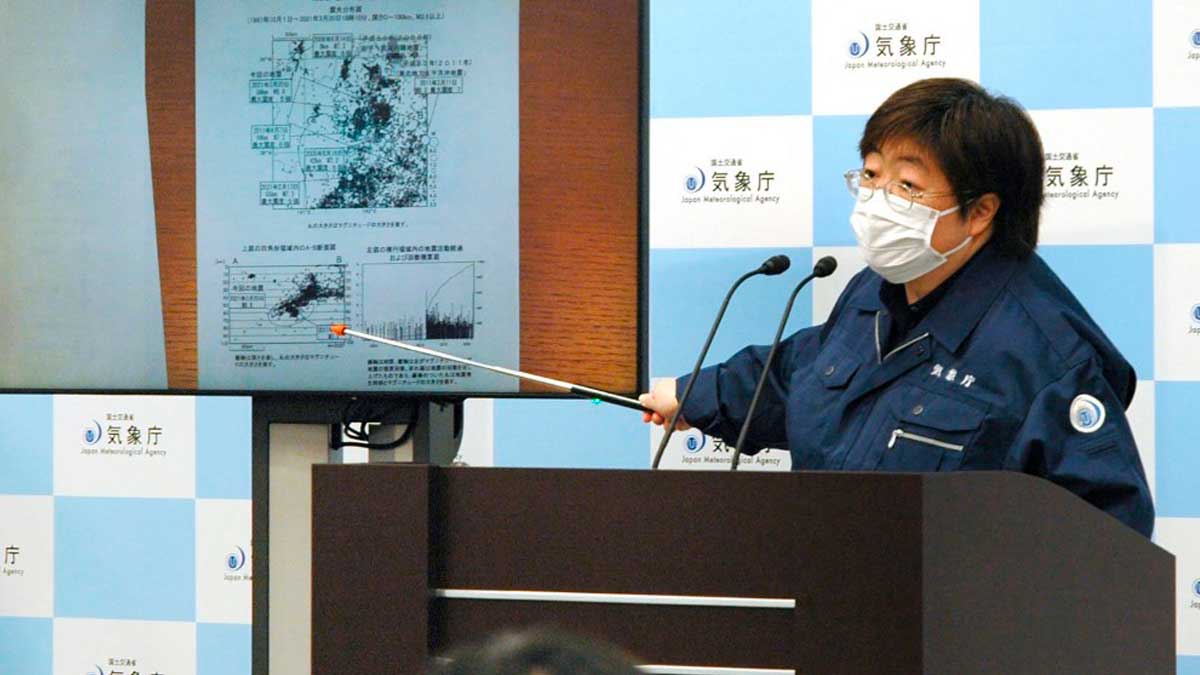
[
  {"x": 925, "y": 431},
  {"x": 817, "y": 404}
]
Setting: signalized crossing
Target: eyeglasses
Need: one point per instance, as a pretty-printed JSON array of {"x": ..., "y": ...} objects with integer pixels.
[{"x": 898, "y": 196}]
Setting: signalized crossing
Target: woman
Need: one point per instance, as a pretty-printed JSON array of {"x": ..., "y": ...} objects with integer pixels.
[{"x": 958, "y": 348}]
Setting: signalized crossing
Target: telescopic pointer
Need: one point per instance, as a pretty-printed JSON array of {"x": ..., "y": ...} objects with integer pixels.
[{"x": 342, "y": 330}]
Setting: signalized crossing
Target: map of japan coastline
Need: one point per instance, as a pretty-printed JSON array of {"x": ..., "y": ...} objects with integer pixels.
[{"x": 351, "y": 121}]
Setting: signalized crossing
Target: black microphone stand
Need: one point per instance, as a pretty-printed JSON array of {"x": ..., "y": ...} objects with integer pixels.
[
  {"x": 774, "y": 265},
  {"x": 824, "y": 267}
]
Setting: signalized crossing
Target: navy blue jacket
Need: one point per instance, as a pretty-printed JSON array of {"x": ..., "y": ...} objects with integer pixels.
[{"x": 1002, "y": 373}]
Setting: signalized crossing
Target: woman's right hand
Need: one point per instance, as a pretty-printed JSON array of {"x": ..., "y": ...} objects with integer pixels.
[{"x": 661, "y": 399}]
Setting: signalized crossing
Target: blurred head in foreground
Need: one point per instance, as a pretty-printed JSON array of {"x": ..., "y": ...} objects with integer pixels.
[{"x": 536, "y": 652}]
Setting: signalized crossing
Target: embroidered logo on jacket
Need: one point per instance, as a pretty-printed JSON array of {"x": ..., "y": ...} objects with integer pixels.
[{"x": 952, "y": 375}]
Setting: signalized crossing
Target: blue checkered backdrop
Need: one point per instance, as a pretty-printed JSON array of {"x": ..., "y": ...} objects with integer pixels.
[{"x": 122, "y": 556}]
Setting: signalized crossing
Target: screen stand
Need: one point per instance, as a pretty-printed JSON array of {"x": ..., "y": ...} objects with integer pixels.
[
  {"x": 290, "y": 435},
  {"x": 434, "y": 440}
]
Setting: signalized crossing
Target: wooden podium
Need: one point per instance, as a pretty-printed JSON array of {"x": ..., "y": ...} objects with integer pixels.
[{"x": 785, "y": 572}]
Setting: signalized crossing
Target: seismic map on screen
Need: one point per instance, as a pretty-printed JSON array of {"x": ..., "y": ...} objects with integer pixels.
[
  {"x": 350, "y": 121},
  {"x": 362, "y": 168}
]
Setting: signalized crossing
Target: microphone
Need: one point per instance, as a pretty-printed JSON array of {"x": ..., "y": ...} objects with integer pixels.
[
  {"x": 824, "y": 267},
  {"x": 776, "y": 264}
]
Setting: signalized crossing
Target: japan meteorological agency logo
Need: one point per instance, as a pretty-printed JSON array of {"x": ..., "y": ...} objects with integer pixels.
[
  {"x": 1196, "y": 38},
  {"x": 1196, "y": 314},
  {"x": 694, "y": 182},
  {"x": 858, "y": 47},
  {"x": 1087, "y": 414},
  {"x": 695, "y": 444},
  {"x": 236, "y": 560},
  {"x": 92, "y": 433}
]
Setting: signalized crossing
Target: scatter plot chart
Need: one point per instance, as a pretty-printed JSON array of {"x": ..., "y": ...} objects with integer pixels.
[
  {"x": 284, "y": 304},
  {"x": 420, "y": 301}
]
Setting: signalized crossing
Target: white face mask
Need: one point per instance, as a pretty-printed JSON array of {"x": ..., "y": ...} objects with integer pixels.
[{"x": 897, "y": 245}]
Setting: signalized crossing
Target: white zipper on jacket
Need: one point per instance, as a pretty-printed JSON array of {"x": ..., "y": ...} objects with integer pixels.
[{"x": 900, "y": 433}]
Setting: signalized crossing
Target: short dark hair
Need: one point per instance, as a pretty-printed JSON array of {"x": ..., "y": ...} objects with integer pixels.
[
  {"x": 984, "y": 143},
  {"x": 543, "y": 651}
]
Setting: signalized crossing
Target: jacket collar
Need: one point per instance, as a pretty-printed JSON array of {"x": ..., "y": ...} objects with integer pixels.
[{"x": 971, "y": 293}]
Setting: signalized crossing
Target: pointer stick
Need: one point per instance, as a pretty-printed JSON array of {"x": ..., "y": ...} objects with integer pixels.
[{"x": 577, "y": 389}]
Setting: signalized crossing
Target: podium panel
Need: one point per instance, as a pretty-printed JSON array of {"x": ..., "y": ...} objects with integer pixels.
[{"x": 792, "y": 572}]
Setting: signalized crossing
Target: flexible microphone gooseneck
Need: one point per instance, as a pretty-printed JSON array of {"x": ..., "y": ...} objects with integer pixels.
[
  {"x": 824, "y": 267},
  {"x": 776, "y": 264}
]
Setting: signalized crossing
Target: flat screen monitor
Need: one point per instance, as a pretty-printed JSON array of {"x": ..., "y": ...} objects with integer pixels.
[{"x": 193, "y": 191}]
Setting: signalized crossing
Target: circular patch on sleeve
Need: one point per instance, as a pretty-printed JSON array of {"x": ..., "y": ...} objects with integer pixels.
[{"x": 1087, "y": 414}]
